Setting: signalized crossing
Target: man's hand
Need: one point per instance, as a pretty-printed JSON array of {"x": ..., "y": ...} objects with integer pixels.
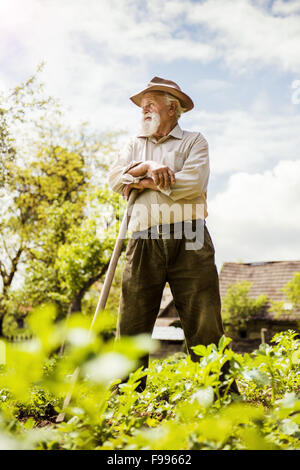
[
  {"x": 162, "y": 175},
  {"x": 145, "y": 183}
]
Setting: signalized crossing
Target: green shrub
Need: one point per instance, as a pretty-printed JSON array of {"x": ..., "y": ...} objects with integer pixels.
[
  {"x": 238, "y": 308},
  {"x": 181, "y": 407}
]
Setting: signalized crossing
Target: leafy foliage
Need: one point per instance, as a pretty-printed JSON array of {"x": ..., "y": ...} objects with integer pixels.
[
  {"x": 292, "y": 298},
  {"x": 238, "y": 307},
  {"x": 292, "y": 289},
  {"x": 181, "y": 407},
  {"x": 60, "y": 221}
]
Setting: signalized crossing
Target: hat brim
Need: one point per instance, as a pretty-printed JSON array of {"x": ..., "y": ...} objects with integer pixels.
[{"x": 184, "y": 99}]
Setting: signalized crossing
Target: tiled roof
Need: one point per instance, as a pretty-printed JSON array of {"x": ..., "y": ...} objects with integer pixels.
[{"x": 267, "y": 277}]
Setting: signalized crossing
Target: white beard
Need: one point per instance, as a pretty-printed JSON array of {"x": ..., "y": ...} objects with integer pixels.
[{"x": 150, "y": 127}]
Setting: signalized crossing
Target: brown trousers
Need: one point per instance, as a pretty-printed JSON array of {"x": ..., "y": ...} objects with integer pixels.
[{"x": 193, "y": 280}]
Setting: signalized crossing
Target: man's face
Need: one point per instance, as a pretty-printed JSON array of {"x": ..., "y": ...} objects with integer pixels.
[{"x": 156, "y": 112}]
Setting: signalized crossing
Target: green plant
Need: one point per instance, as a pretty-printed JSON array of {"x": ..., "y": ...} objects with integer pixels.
[
  {"x": 181, "y": 407},
  {"x": 238, "y": 307},
  {"x": 292, "y": 294}
]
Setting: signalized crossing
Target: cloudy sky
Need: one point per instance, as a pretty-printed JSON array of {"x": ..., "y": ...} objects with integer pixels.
[{"x": 238, "y": 59}]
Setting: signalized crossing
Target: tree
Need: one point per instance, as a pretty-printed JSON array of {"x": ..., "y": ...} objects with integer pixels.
[
  {"x": 16, "y": 110},
  {"x": 238, "y": 308},
  {"x": 55, "y": 204},
  {"x": 292, "y": 293},
  {"x": 292, "y": 289}
]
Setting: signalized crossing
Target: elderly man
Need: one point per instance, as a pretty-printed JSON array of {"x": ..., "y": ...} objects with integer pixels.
[{"x": 170, "y": 242}]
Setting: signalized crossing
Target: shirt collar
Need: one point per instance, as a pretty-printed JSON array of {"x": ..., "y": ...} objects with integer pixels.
[{"x": 176, "y": 132}]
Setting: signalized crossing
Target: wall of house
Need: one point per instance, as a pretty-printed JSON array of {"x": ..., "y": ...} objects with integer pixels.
[{"x": 250, "y": 339}]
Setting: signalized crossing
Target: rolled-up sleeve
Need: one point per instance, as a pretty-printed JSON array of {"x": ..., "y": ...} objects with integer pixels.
[
  {"x": 118, "y": 175},
  {"x": 192, "y": 179}
]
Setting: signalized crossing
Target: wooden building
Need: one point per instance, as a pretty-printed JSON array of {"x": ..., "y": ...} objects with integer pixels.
[{"x": 266, "y": 278}]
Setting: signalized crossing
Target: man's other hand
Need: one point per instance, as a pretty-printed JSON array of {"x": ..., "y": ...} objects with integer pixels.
[{"x": 145, "y": 183}]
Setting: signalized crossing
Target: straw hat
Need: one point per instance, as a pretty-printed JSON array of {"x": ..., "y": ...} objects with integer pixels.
[{"x": 160, "y": 84}]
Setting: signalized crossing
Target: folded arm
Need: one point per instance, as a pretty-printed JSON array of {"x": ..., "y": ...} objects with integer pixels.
[
  {"x": 161, "y": 174},
  {"x": 127, "y": 172}
]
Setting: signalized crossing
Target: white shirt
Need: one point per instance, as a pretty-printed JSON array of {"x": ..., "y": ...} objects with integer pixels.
[{"x": 184, "y": 152}]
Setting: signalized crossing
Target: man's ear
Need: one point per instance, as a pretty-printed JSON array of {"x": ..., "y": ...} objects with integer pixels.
[{"x": 173, "y": 107}]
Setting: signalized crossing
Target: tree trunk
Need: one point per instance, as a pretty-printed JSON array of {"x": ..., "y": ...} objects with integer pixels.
[
  {"x": 76, "y": 302},
  {"x": 75, "y": 305},
  {"x": 2, "y": 313},
  {"x": 1, "y": 322}
]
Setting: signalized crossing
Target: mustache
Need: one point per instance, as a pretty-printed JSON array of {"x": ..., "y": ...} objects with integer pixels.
[{"x": 148, "y": 115}]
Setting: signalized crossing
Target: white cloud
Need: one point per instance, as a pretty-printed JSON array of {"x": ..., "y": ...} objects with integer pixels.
[
  {"x": 213, "y": 85},
  {"x": 97, "y": 55},
  {"x": 286, "y": 8},
  {"x": 3, "y": 84},
  {"x": 256, "y": 218},
  {"x": 245, "y": 141},
  {"x": 245, "y": 34}
]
